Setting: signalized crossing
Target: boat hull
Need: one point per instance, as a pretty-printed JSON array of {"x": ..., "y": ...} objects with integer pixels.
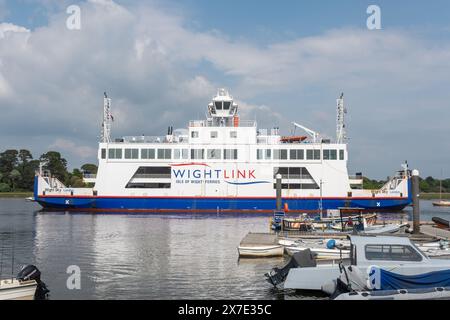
[
  {"x": 261, "y": 251},
  {"x": 213, "y": 204}
]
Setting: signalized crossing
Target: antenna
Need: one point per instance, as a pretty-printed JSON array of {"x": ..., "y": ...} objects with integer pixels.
[
  {"x": 107, "y": 118},
  {"x": 341, "y": 135}
]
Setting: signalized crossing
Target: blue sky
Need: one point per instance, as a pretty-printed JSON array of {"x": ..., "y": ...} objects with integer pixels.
[{"x": 282, "y": 60}]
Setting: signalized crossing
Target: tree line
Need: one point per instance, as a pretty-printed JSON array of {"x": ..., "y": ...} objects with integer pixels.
[
  {"x": 427, "y": 185},
  {"x": 18, "y": 167}
]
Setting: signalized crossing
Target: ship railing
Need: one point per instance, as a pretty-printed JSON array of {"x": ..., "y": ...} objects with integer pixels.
[{"x": 208, "y": 123}]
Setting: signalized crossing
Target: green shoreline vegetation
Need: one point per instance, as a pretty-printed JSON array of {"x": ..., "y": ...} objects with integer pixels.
[{"x": 17, "y": 169}]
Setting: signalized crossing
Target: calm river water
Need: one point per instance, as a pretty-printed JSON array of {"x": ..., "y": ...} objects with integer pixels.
[{"x": 130, "y": 256}]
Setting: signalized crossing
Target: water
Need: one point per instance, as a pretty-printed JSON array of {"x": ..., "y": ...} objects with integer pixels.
[{"x": 143, "y": 256}]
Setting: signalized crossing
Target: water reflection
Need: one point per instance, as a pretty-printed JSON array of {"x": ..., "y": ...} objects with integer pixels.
[{"x": 122, "y": 256}]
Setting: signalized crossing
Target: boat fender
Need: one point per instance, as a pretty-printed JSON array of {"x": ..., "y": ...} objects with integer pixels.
[{"x": 331, "y": 244}]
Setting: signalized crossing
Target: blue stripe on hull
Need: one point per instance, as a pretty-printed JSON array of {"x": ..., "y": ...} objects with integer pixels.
[{"x": 227, "y": 204}]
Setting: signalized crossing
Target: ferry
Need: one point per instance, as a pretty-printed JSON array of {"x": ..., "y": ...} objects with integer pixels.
[{"x": 222, "y": 164}]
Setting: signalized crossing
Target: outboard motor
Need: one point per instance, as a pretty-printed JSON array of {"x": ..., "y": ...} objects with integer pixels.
[
  {"x": 31, "y": 272},
  {"x": 302, "y": 259}
]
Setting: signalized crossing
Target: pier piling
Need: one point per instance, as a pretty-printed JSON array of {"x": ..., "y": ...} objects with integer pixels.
[
  {"x": 415, "y": 198},
  {"x": 278, "y": 187}
]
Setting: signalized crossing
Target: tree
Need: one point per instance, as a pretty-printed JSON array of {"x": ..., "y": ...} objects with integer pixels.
[
  {"x": 8, "y": 161},
  {"x": 56, "y": 164},
  {"x": 14, "y": 176},
  {"x": 4, "y": 187},
  {"x": 89, "y": 168}
]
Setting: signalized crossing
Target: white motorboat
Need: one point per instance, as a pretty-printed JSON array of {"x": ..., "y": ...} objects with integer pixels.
[
  {"x": 13, "y": 289},
  {"x": 261, "y": 251},
  {"x": 438, "y": 293},
  {"x": 394, "y": 254},
  {"x": 26, "y": 286}
]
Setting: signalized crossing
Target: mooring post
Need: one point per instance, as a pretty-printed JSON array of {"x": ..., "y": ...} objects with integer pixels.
[
  {"x": 415, "y": 198},
  {"x": 278, "y": 187}
]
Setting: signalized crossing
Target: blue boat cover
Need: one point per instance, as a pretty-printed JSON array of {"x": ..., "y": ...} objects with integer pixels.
[{"x": 380, "y": 279}]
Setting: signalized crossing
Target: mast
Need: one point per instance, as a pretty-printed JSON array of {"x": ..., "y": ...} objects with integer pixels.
[
  {"x": 107, "y": 119},
  {"x": 341, "y": 135}
]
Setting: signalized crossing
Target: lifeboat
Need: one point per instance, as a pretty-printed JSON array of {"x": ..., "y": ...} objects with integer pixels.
[{"x": 291, "y": 139}]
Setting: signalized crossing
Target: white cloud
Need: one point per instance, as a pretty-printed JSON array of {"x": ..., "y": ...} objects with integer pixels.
[
  {"x": 161, "y": 73},
  {"x": 67, "y": 146}
]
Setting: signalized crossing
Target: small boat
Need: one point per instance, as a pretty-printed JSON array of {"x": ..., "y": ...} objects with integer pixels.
[
  {"x": 387, "y": 285},
  {"x": 292, "y": 139},
  {"x": 297, "y": 224},
  {"x": 441, "y": 203},
  {"x": 26, "y": 286},
  {"x": 261, "y": 251},
  {"x": 31, "y": 199},
  {"x": 392, "y": 253},
  {"x": 14, "y": 289},
  {"x": 438, "y": 293}
]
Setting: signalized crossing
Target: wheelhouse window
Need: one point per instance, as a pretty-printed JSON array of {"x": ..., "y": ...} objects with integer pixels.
[
  {"x": 115, "y": 153},
  {"x": 230, "y": 154},
  {"x": 131, "y": 153},
  {"x": 233, "y": 134},
  {"x": 341, "y": 154},
  {"x": 214, "y": 154},
  {"x": 197, "y": 154},
  {"x": 218, "y": 105},
  {"x": 194, "y": 134},
  {"x": 391, "y": 252},
  {"x": 313, "y": 154},
  {"x": 214, "y": 134},
  {"x": 164, "y": 153},
  {"x": 147, "y": 153},
  {"x": 103, "y": 154},
  {"x": 297, "y": 154},
  {"x": 329, "y": 154}
]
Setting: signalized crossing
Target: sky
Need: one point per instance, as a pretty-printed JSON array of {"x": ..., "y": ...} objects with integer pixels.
[{"x": 162, "y": 61}]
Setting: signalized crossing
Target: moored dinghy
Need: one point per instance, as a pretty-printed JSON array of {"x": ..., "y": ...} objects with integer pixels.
[{"x": 257, "y": 245}]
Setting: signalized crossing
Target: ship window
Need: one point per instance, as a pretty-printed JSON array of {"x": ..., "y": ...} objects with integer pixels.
[
  {"x": 194, "y": 134},
  {"x": 341, "y": 154},
  {"x": 297, "y": 186},
  {"x": 134, "y": 185},
  {"x": 230, "y": 154},
  {"x": 218, "y": 105},
  {"x": 131, "y": 153},
  {"x": 297, "y": 154},
  {"x": 153, "y": 173},
  {"x": 226, "y": 105},
  {"x": 268, "y": 154},
  {"x": 164, "y": 153},
  {"x": 103, "y": 153},
  {"x": 292, "y": 173},
  {"x": 214, "y": 154},
  {"x": 313, "y": 154},
  {"x": 233, "y": 134},
  {"x": 115, "y": 153},
  {"x": 259, "y": 154},
  {"x": 148, "y": 154},
  {"x": 329, "y": 154},
  {"x": 391, "y": 252},
  {"x": 214, "y": 134},
  {"x": 197, "y": 154},
  {"x": 280, "y": 154},
  {"x": 177, "y": 154},
  {"x": 185, "y": 153}
]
